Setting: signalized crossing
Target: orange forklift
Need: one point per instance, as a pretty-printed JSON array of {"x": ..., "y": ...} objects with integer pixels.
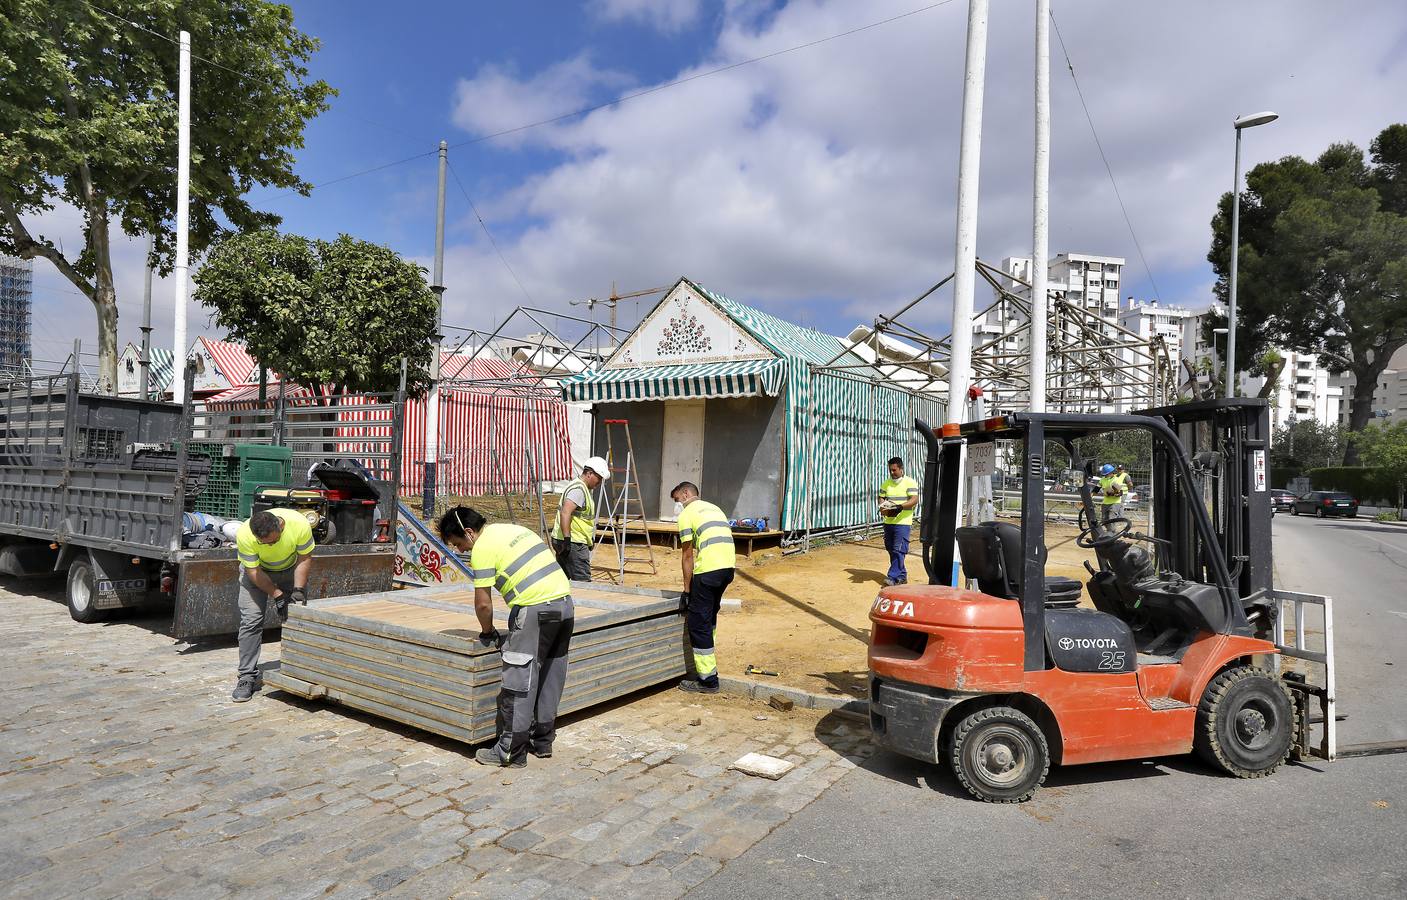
[{"x": 1007, "y": 676}]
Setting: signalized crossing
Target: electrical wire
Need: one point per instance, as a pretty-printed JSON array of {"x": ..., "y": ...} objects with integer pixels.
[
  {"x": 1108, "y": 168},
  {"x": 484, "y": 225}
]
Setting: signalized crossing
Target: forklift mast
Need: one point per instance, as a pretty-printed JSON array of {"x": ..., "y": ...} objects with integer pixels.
[{"x": 1227, "y": 441}]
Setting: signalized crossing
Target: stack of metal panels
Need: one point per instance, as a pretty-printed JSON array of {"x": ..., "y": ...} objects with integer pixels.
[{"x": 414, "y": 656}]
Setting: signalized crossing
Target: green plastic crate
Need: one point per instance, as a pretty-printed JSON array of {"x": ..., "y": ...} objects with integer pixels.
[{"x": 229, "y": 490}]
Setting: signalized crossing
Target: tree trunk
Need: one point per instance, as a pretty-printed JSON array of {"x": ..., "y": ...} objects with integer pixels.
[
  {"x": 1272, "y": 378},
  {"x": 104, "y": 297},
  {"x": 1365, "y": 381}
]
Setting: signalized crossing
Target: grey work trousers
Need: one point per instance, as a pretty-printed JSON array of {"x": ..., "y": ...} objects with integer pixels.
[
  {"x": 1112, "y": 511},
  {"x": 534, "y": 674},
  {"x": 574, "y": 558},
  {"x": 253, "y": 608}
]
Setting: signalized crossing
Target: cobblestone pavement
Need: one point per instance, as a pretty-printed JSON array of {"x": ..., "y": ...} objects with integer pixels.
[{"x": 126, "y": 771}]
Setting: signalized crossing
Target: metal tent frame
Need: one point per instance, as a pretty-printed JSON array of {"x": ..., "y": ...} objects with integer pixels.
[{"x": 1093, "y": 363}]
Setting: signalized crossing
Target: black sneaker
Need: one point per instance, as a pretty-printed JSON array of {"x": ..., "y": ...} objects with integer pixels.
[
  {"x": 245, "y": 688},
  {"x": 693, "y": 686},
  {"x": 489, "y": 756}
]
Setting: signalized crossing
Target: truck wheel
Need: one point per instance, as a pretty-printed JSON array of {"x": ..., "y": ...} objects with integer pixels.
[
  {"x": 82, "y": 593},
  {"x": 1245, "y": 722},
  {"x": 999, "y": 755}
]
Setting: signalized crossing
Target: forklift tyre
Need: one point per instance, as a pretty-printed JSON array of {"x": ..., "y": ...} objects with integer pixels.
[
  {"x": 82, "y": 592},
  {"x": 999, "y": 755},
  {"x": 1245, "y": 722}
]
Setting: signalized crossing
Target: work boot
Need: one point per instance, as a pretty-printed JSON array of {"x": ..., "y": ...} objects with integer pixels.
[
  {"x": 245, "y": 688},
  {"x": 544, "y": 753},
  {"x": 489, "y": 756},
  {"x": 693, "y": 686}
]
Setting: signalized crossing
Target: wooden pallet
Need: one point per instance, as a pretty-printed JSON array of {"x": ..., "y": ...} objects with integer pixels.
[{"x": 414, "y": 657}]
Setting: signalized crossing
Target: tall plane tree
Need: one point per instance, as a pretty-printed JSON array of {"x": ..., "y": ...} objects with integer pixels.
[
  {"x": 88, "y": 120},
  {"x": 1323, "y": 265}
]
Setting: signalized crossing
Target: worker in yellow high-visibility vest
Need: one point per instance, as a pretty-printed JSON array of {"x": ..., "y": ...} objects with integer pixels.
[
  {"x": 540, "y": 617},
  {"x": 708, "y": 564},
  {"x": 275, "y": 560},
  {"x": 1114, "y": 484},
  {"x": 574, "y": 529},
  {"x": 897, "y": 498}
]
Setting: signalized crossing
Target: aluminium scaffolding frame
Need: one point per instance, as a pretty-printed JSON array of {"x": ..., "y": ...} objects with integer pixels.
[
  {"x": 1093, "y": 363},
  {"x": 536, "y": 363}
]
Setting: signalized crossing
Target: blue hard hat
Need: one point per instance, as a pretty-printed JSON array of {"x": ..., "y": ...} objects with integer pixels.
[{"x": 1106, "y": 469}]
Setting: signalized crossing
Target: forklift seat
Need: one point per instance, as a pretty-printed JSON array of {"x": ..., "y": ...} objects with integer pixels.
[{"x": 991, "y": 556}]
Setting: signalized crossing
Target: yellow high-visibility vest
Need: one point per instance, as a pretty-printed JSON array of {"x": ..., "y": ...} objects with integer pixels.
[
  {"x": 705, "y": 525},
  {"x": 295, "y": 541},
  {"x": 898, "y": 491},
  {"x": 583, "y": 517},
  {"x": 516, "y": 562}
]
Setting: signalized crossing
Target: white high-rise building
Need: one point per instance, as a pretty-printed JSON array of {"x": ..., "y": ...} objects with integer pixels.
[
  {"x": 1305, "y": 389},
  {"x": 1148, "y": 319},
  {"x": 1389, "y": 396}
]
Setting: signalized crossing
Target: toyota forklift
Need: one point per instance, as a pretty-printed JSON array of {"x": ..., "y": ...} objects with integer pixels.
[{"x": 1181, "y": 651}]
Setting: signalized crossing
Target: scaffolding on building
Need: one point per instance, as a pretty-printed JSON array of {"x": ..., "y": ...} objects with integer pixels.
[
  {"x": 16, "y": 310},
  {"x": 1093, "y": 363}
]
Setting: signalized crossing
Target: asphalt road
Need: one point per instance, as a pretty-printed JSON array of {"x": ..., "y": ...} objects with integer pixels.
[
  {"x": 896, "y": 828},
  {"x": 1362, "y": 565},
  {"x": 1167, "y": 828}
]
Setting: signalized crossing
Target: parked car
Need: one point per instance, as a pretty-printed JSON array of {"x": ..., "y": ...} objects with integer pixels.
[
  {"x": 1281, "y": 500},
  {"x": 1325, "y": 503}
]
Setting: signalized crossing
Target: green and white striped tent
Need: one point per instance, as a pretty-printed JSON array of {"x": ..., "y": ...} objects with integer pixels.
[{"x": 840, "y": 427}]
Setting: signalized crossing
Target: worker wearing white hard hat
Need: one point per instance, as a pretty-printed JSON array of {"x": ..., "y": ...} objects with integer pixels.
[{"x": 574, "y": 530}]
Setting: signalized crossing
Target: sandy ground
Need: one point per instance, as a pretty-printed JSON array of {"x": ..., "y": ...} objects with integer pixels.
[{"x": 806, "y": 616}]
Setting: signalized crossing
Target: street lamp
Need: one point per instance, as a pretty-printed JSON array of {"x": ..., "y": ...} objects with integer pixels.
[
  {"x": 1250, "y": 121},
  {"x": 1216, "y": 331}
]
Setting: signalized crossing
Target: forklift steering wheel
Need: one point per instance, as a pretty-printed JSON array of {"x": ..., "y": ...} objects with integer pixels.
[{"x": 1114, "y": 529}]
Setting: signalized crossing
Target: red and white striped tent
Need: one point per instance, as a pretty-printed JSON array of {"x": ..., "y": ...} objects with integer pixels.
[
  {"x": 497, "y": 430},
  {"x": 233, "y": 361}
]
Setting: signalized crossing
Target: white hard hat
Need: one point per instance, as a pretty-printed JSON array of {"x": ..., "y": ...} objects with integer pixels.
[{"x": 599, "y": 466}]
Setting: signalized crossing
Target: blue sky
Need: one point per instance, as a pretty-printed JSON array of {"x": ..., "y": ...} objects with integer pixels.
[{"x": 818, "y": 184}]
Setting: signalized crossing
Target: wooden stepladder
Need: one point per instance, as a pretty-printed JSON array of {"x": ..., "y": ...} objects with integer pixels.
[{"x": 623, "y": 508}]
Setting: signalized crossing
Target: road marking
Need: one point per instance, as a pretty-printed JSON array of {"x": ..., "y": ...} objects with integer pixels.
[{"x": 1398, "y": 613}]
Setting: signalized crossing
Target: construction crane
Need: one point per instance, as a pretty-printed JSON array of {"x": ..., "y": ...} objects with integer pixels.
[{"x": 592, "y": 302}]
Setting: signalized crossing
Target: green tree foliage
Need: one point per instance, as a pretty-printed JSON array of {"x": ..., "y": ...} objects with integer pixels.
[
  {"x": 1384, "y": 447},
  {"x": 1305, "y": 444},
  {"x": 340, "y": 312},
  {"x": 1323, "y": 259},
  {"x": 88, "y": 118}
]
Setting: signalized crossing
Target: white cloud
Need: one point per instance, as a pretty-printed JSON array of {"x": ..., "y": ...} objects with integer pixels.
[
  {"x": 668, "y": 16},
  {"x": 830, "y": 172},
  {"x": 495, "y": 99}
]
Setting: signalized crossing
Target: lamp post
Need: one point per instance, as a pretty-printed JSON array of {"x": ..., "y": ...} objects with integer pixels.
[
  {"x": 1215, "y": 332},
  {"x": 1243, "y": 122}
]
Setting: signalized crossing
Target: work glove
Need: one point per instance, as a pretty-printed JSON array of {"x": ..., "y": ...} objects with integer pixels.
[
  {"x": 281, "y": 606},
  {"x": 684, "y": 604},
  {"x": 298, "y": 595},
  {"x": 492, "y": 638}
]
